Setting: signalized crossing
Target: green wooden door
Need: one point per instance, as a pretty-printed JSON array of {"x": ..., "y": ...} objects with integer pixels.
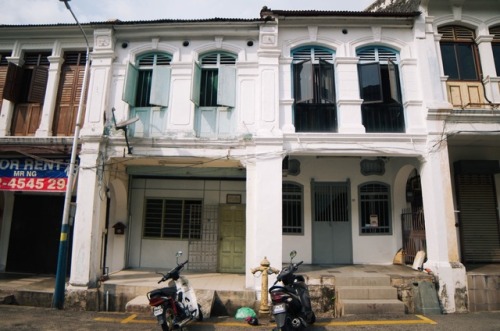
[{"x": 232, "y": 238}]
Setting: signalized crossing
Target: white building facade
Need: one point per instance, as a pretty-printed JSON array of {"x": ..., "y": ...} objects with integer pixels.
[{"x": 344, "y": 136}]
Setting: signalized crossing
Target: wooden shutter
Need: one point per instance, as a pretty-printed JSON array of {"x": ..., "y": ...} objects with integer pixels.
[
  {"x": 160, "y": 86},
  {"x": 195, "y": 88},
  {"x": 370, "y": 82},
  {"x": 326, "y": 82},
  {"x": 12, "y": 88},
  {"x": 38, "y": 84},
  {"x": 130, "y": 89},
  {"x": 226, "y": 89},
  {"x": 304, "y": 88}
]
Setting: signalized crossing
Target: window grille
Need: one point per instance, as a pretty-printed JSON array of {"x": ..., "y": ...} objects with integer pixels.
[
  {"x": 377, "y": 54},
  {"x": 36, "y": 59},
  {"x": 331, "y": 202},
  {"x": 172, "y": 218},
  {"x": 456, "y": 33},
  {"x": 292, "y": 208},
  {"x": 374, "y": 209}
]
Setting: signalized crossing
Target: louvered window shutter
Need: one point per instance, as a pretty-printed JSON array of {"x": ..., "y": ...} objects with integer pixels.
[
  {"x": 160, "y": 86},
  {"x": 12, "y": 88},
  {"x": 195, "y": 89},
  {"x": 129, "y": 92},
  {"x": 304, "y": 88},
  {"x": 226, "y": 88},
  {"x": 38, "y": 84}
]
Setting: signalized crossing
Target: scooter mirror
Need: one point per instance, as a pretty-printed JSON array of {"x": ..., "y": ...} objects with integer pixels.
[{"x": 293, "y": 254}]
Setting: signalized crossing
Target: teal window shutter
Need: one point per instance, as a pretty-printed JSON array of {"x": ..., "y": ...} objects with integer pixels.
[
  {"x": 129, "y": 91},
  {"x": 195, "y": 89},
  {"x": 160, "y": 86},
  {"x": 226, "y": 89}
]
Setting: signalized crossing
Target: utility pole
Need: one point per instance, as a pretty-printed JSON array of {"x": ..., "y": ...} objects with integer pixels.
[{"x": 59, "y": 291}]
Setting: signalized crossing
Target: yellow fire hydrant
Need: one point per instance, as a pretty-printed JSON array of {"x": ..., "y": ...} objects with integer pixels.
[{"x": 266, "y": 269}]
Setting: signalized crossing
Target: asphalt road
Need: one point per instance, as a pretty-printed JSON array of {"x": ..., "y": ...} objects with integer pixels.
[{"x": 38, "y": 319}]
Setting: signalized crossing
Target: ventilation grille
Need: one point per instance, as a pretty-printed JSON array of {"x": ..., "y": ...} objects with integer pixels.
[
  {"x": 496, "y": 33},
  {"x": 456, "y": 33},
  {"x": 373, "y": 54},
  {"x": 315, "y": 53},
  {"x": 74, "y": 58},
  {"x": 36, "y": 59},
  {"x": 158, "y": 59},
  {"x": 218, "y": 58}
]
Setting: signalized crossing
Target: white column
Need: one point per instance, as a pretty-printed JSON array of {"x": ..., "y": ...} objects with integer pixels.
[
  {"x": 89, "y": 220},
  {"x": 441, "y": 232},
  {"x": 490, "y": 80},
  {"x": 348, "y": 102},
  {"x": 263, "y": 214},
  {"x": 49, "y": 103}
]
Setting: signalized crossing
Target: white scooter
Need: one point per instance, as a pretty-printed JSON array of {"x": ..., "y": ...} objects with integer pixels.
[{"x": 175, "y": 306}]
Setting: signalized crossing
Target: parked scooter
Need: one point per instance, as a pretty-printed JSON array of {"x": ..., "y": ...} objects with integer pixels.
[
  {"x": 291, "y": 304},
  {"x": 175, "y": 306}
]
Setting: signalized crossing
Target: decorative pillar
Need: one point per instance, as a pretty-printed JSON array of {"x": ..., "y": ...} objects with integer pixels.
[
  {"x": 441, "y": 232},
  {"x": 264, "y": 208}
]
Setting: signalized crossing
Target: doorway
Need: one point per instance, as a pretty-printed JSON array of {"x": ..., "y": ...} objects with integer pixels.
[{"x": 232, "y": 238}]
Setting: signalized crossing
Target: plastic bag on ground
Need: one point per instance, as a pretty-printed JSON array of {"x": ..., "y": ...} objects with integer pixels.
[{"x": 244, "y": 312}]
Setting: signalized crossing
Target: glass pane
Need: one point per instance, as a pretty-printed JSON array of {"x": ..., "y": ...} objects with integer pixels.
[
  {"x": 449, "y": 58},
  {"x": 303, "y": 81},
  {"x": 466, "y": 61},
  {"x": 143, "y": 88},
  {"x": 496, "y": 56},
  {"x": 208, "y": 90},
  {"x": 327, "y": 87},
  {"x": 370, "y": 82}
]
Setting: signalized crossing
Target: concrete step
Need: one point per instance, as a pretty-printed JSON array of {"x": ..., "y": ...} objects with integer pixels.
[
  {"x": 367, "y": 292},
  {"x": 362, "y": 280},
  {"x": 358, "y": 306}
]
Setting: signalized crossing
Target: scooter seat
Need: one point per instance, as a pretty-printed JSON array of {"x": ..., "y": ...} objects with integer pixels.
[{"x": 165, "y": 291}]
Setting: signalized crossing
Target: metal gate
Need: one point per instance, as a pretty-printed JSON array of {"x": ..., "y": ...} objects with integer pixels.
[
  {"x": 413, "y": 225},
  {"x": 203, "y": 251}
]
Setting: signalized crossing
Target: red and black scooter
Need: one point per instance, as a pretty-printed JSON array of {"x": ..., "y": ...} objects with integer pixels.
[{"x": 291, "y": 304}]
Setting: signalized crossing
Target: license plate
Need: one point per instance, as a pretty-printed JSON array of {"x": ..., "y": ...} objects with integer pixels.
[
  {"x": 279, "y": 308},
  {"x": 158, "y": 310}
]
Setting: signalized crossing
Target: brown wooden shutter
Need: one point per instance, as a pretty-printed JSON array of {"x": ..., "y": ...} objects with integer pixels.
[
  {"x": 70, "y": 87},
  {"x": 38, "y": 84},
  {"x": 13, "y": 80}
]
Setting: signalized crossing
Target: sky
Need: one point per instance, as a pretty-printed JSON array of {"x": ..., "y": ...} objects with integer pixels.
[{"x": 54, "y": 11}]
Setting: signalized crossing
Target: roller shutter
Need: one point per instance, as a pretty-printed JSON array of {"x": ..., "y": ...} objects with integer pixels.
[{"x": 478, "y": 219}]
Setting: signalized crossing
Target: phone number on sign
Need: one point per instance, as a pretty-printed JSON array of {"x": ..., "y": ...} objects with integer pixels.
[{"x": 33, "y": 184}]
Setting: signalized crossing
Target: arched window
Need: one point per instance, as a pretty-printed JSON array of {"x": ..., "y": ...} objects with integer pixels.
[
  {"x": 292, "y": 208},
  {"x": 459, "y": 53},
  {"x": 148, "y": 81},
  {"x": 374, "y": 208},
  {"x": 214, "y": 80},
  {"x": 495, "y": 31},
  {"x": 314, "y": 89},
  {"x": 380, "y": 89}
]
